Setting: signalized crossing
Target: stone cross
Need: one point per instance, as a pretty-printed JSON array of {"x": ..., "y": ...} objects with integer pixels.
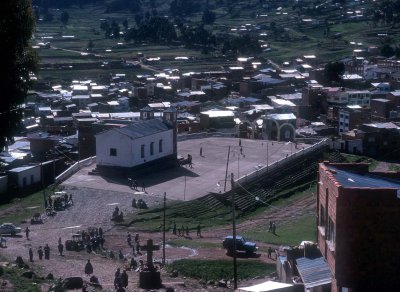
[{"x": 149, "y": 248}]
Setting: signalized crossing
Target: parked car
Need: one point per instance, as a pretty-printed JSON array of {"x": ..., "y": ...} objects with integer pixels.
[
  {"x": 241, "y": 245},
  {"x": 9, "y": 228}
]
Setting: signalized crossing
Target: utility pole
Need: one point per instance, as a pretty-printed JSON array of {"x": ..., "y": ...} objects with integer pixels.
[
  {"x": 267, "y": 156},
  {"x": 234, "y": 234},
  {"x": 184, "y": 190},
  {"x": 226, "y": 171},
  {"x": 41, "y": 179},
  {"x": 163, "y": 249}
]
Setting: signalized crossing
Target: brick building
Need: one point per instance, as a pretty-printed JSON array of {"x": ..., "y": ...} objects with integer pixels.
[{"x": 358, "y": 231}]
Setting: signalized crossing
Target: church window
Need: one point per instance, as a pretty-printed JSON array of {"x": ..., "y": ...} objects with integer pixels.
[
  {"x": 152, "y": 148},
  {"x": 113, "y": 152},
  {"x": 142, "y": 151},
  {"x": 160, "y": 146}
]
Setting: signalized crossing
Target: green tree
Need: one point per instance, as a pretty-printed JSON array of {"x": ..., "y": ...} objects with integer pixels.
[
  {"x": 387, "y": 50},
  {"x": 18, "y": 61},
  {"x": 208, "y": 16},
  {"x": 333, "y": 71}
]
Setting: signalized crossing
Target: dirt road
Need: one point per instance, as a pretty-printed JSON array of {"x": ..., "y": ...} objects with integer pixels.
[{"x": 93, "y": 208}]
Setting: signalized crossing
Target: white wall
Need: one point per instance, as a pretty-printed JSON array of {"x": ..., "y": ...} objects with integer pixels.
[
  {"x": 28, "y": 174},
  {"x": 128, "y": 150}
]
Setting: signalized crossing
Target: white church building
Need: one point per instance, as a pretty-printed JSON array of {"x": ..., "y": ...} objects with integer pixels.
[{"x": 141, "y": 144}]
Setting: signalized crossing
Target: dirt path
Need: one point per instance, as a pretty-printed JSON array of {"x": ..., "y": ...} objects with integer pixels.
[{"x": 93, "y": 208}]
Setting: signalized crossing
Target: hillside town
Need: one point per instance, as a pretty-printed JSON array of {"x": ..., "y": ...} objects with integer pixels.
[
  {"x": 251, "y": 100},
  {"x": 251, "y": 172}
]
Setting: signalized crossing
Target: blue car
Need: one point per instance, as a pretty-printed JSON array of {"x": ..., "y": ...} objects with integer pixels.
[{"x": 241, "y": 245}]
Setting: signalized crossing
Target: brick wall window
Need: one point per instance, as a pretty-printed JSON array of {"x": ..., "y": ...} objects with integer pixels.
[
  {"x": 113, "y": 152},
  {"x": 322, "y": 215},
  {"x": 331, "y": 234}
]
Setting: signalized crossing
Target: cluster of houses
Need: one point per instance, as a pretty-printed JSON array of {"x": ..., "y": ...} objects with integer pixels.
[{"x": 252, "y": 98}]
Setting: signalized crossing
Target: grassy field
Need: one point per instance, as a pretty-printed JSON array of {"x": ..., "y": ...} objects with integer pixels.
[
  {"x": 220, "y": 269},
  {"x": 292, "y": 233},
  {"x": 21, "y": 209}
]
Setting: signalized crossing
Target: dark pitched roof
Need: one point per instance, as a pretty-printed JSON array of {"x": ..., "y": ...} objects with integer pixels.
[{"x": 142, "y": 128}]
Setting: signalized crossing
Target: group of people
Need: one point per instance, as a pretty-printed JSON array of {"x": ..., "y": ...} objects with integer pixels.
[
  {"x": 41, "y": 251},
  {"x": 93, "y": 239},
  {"x": 117, "y": 216},
  {"x": 185, "y": 230},
  {"x": 272, "y": 227},
  {"x": 135, "y": 185},
  {"x": 135, "y": 245},
  {"x": 120, "y": 279},
  {"x": 141, "y": 204},
  {"x": 129, "y": 238},
  {"x": 65, "y": 201}
]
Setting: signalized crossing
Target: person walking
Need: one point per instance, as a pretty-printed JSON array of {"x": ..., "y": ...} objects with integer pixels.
[
  {"x": 124, "y": 279},
  {"x": 174, "y": 229},
  {"x": 46, "y": 252},
  {"x": 133, "y": 264},
  {"x": 201, "y": 151},
  {"x": 117, "y": 279},
  {"x": 198, "y": 230},
  {"x": 129, "y": 239},
  {"x": 30, "y": 255},
  {"x": 60, "y": 248},
  {"x": 143, "y": 187},
  {"x": 27, "y": 232},
  {"x": 40, "y": 253},
  {"x": 88, "y": 268},
  {"x": 269, "y": 252},
  {"x": 273, "y": 228}
]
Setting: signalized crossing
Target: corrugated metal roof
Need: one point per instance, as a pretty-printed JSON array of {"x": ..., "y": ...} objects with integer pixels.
[
  {"x": 314, "y": 272},
  {"x": 143, "y": 128},
  {"x": 350, "y": 179},
  {"x": 289, "y": 116}
]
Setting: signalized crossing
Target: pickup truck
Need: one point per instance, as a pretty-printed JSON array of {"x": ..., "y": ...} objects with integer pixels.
[{"x": 241, "y": 245}]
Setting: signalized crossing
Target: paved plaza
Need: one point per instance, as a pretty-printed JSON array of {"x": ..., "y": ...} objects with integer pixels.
[{"x": 208, "y": 172}]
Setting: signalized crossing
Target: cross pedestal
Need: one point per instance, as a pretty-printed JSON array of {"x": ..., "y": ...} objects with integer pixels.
[{"x": 149, "y": 278}]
